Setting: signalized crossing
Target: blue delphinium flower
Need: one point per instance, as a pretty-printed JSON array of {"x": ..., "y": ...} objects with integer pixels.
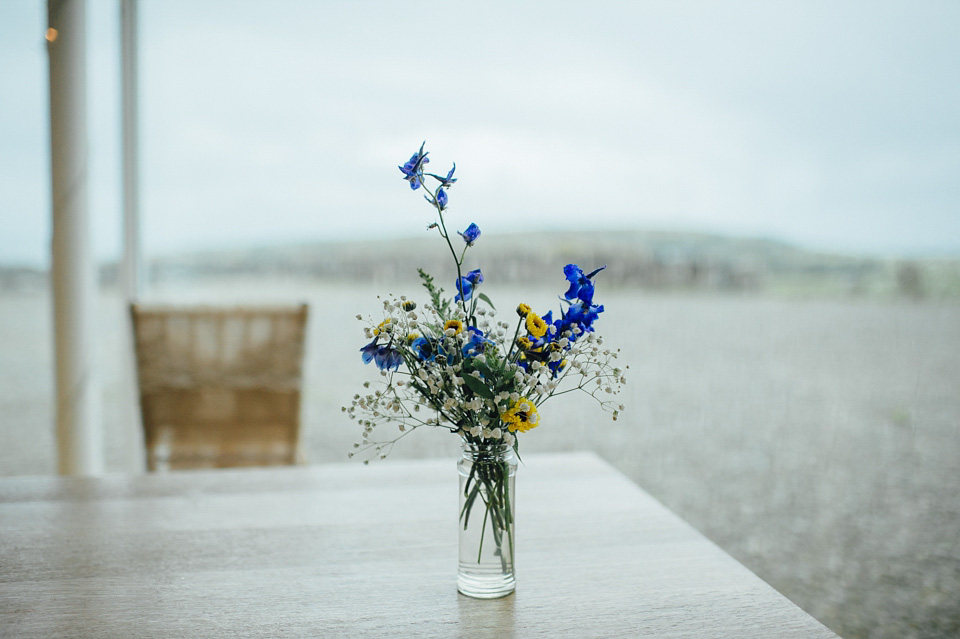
[
  {"x": 471, "y": 234},
  {"x": 582, "y": 315},
  {"x": 369, "y": 351},
  {"x": 430, "y": 350},
  {"x": 446, "y": 181},
  {"x": 442, "y": 198},
  {"x": 477, "y": 343},
  {"x": 580, "y": 285},
  {"x": 576, "y": 320},
  {"x": 413, "y": 169},
  {"x": 423, "y": 348},
  {"x": 385, "y": 356},
  {"x": 467, "y": 283},
  {"x": 388, "y": 358},
  {"x": 443, "y": 355}
]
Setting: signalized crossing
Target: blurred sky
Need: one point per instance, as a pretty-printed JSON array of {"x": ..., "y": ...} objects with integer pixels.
[{"x": 831, "y": 124}]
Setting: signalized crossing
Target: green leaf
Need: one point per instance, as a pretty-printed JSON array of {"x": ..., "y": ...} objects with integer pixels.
[
  {"x": 478, "y": 387},
  {"x": 440, "y": 304},
  {"x": 483, "y": 296},
  {"x": 482, "y": 368}
]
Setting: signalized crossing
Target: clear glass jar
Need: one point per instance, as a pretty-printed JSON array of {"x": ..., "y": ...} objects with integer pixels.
[{"x": 487, "y": 473}]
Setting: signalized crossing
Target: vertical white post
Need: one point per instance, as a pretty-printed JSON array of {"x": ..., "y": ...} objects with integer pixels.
[
  {"x": 132, "y": 278},
  {"x": 131, "y": 271},
  {"x": 79, "y": 427}
]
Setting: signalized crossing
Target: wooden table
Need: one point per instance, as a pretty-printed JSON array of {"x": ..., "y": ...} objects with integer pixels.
[{"x": 349, "y": 550}]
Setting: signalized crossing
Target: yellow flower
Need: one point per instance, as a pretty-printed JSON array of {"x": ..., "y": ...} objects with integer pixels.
[
  {"x": 411, "y": 338},
  {"x": 456, "y": 325},
  {"x": 521, "y": 416},
  {"x": 524, "y": 343},
  {"x": 535, "y": 325},
  {"x": 523, "y": 310},
  {"x": 384, "y": 326}
]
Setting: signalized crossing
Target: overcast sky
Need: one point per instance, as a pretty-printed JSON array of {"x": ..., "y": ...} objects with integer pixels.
[{"x": 831, "y": 124}]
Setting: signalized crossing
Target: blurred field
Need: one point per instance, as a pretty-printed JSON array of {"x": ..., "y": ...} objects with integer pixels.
[{"x": 817, "y": 441}]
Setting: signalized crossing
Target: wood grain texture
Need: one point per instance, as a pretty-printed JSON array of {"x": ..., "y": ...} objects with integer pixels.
[{"x": 352, "y": 550}]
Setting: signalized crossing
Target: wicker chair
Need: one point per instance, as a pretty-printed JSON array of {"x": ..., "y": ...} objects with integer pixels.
[{"x": 219, "y": 387}]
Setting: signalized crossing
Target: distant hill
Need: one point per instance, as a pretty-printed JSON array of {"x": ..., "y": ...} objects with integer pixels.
[
  {"x": 658, "y": 260},
  {"x": 637, "y": 259}
]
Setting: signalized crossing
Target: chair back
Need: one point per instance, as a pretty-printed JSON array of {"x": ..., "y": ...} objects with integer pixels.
[{"x": 219, "y": 386}]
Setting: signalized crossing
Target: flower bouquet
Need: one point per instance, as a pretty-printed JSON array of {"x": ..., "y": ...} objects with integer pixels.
[{"x": 450, "y": 364}]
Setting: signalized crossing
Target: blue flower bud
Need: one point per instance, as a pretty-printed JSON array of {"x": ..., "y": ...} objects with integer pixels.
[{"x": 471, "y": 234}]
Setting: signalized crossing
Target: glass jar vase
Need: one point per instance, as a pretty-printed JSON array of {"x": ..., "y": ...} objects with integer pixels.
[{"x": 487, "y": 473}]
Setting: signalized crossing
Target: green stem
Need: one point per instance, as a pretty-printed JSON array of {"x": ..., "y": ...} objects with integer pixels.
[
  {"x": 453, "y": 251},
  {"x": 490, "y": 479},
  {"x": 516, "y": 334},
  {"x": 483, "y": 531}
]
